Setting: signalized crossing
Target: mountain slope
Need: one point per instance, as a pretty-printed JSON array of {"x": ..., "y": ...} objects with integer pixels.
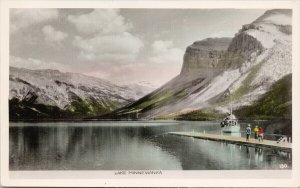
[
  {"x": 274, "y": 104},
  {"x": 191, "y": 81},
  {"x": 263, "y": 65},
  {"x": 39, "y": 93},
  {"x": 244, "y": 68}
]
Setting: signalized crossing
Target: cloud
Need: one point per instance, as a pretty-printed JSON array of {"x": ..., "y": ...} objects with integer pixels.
[
  {"x": 53, "y": 36},
  {"x": 109, "y": 48},
  {"x": 100, "y": 21},
  {"x": 22, "y": 18},
  {"x": 105, "y": 37},
  {"x": 31, "y": 63},
  {"x": 165, "y": 52}
]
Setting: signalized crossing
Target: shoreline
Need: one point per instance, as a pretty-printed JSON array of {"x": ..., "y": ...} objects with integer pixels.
[{"x": 136, "y": 120}]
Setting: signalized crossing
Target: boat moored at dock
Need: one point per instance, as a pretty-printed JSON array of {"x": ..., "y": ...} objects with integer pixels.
[{"x": 230, "y": 124}]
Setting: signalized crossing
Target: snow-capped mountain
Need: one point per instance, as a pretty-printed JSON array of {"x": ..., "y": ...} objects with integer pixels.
[
  {"x": 244, "y": 68},
  {"x": 63, "y": 90},
  {"x": 266, "y": 50}
]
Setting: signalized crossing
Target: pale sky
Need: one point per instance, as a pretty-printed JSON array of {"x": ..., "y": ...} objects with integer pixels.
[{"x": 120, "y": 45}]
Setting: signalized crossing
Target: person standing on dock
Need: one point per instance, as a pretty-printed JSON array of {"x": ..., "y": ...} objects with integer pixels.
[
  {"x": 256, "y": 132},
  {"x": 248, "y": 132},
  {"x": 260, "y": 134}
]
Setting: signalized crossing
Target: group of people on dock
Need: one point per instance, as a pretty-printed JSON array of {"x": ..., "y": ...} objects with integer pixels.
[{"x": 258, "y": 133}]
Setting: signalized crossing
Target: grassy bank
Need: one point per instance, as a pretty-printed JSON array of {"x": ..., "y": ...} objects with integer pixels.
[{"x": 275, "y": 104}]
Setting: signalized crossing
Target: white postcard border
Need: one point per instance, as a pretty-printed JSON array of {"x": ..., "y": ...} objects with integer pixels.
[{"x": 249, "y": 178}]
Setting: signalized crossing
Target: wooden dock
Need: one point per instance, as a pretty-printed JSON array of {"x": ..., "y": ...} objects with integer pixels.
[{"x": 236, "y": 140}]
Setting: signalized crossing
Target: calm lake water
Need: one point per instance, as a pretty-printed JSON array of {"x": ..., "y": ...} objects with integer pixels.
[{"x": 130, "y": 145}]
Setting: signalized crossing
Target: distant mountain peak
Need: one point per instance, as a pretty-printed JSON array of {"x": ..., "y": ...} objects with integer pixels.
[
  {"x": 68, "y": 91},
  {"x": 276, "y": 16}
]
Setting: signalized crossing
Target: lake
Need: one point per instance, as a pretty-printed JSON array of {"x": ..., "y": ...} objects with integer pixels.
[{"x": 137, "y": 145}]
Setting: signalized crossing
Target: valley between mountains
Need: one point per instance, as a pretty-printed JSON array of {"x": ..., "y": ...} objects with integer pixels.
[{"x": 251, "y": 71}]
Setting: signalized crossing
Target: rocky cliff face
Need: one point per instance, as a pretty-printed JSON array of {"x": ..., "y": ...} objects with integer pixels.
[
  {"x": 258, "y": 56},
  {"x": 265, "y": 56},
  {"x": 244, "y": 67},
  {"x": 258, "y": 37},
  {"x": 242, "y": 48},
  {"x": 200, "y": 66},
  {"x": 205, "y": 55}
]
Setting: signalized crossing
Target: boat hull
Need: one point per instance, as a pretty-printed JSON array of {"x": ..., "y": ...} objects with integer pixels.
[{"x": 231, "y": 129}]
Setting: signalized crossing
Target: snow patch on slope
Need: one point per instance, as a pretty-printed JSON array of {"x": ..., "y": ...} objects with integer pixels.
[
  {"x": 218, "y": 85},
  {"x": 276, "y": 16},
  {"x": 273, "y": 63}
]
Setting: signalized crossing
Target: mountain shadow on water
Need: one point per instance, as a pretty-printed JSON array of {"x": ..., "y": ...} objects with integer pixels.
[{"x": 28, "y": 109}]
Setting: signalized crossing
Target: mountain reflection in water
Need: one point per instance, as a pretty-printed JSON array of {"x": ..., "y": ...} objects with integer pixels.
[{"x": 130, "y": 145}]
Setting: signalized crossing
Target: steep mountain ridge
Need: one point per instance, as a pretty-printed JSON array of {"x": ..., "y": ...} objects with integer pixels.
[
  {"x": 190, "y": 82},
  {"x": 73, "y": 92},
  {"x": 257, "y": 57},
  {"x": 269, "y": 62}
]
